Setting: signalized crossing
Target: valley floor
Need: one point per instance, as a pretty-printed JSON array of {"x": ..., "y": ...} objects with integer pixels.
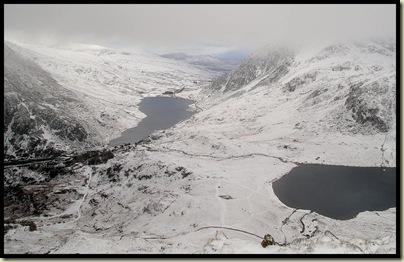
[{"x": 192, "y": 191}]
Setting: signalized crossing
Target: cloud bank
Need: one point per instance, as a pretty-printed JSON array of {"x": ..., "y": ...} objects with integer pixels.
[{"x": 169, "y": 26}]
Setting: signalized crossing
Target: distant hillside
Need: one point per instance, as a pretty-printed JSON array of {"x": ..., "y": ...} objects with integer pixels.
[{"x": 206, "y": 62}]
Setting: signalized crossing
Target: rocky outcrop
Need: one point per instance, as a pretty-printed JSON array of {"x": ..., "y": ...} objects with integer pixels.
[
  {"x": 372, "y": 103},
  {"x": 36, "y": 110}
]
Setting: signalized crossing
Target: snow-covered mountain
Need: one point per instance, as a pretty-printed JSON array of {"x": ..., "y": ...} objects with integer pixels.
[
  {"x": 205, "y": 185},
  {"x": 354, "y": 82},
  {"x": 90, "y": 91},
  {"x": 218, "y": 66}
]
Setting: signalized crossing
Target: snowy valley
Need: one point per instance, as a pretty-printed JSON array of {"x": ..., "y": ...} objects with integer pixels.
[{"x": 204, "y": 185}]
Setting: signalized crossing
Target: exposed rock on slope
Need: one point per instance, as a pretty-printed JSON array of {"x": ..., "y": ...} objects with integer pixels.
[{"x": 37, "y": 110}]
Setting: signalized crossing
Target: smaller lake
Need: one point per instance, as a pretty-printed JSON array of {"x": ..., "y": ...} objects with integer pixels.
[
  {"x": 338, "y": 192},
  {"x": 162, "y": 113}
]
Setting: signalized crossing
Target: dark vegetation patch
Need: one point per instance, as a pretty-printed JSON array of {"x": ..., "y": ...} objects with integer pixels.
[{"x": 93, "y": 157}]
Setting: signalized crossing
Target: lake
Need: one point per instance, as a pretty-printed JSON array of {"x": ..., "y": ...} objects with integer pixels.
[
  {"x": 162, "y": 113},
  {"x": 338, "y": 192}
]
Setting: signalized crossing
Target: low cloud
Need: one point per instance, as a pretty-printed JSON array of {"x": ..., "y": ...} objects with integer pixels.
[{"x": 173, "y": 26}]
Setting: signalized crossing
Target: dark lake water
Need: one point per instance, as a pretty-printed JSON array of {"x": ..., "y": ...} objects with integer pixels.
[
  {"x": 338, "y": 192},
  {"x": 162, "y": 113}
]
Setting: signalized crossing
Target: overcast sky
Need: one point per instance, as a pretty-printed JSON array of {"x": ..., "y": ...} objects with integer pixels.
[{"x": 175, "y": 26}]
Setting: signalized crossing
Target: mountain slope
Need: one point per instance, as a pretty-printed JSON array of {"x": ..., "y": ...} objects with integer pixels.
[
  {"x": 97, "y": 88},
  {"x": 37, "y": 110}
]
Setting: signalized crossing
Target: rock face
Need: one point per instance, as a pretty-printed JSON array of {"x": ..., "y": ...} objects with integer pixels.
[{"x": 36, "y": 110}]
